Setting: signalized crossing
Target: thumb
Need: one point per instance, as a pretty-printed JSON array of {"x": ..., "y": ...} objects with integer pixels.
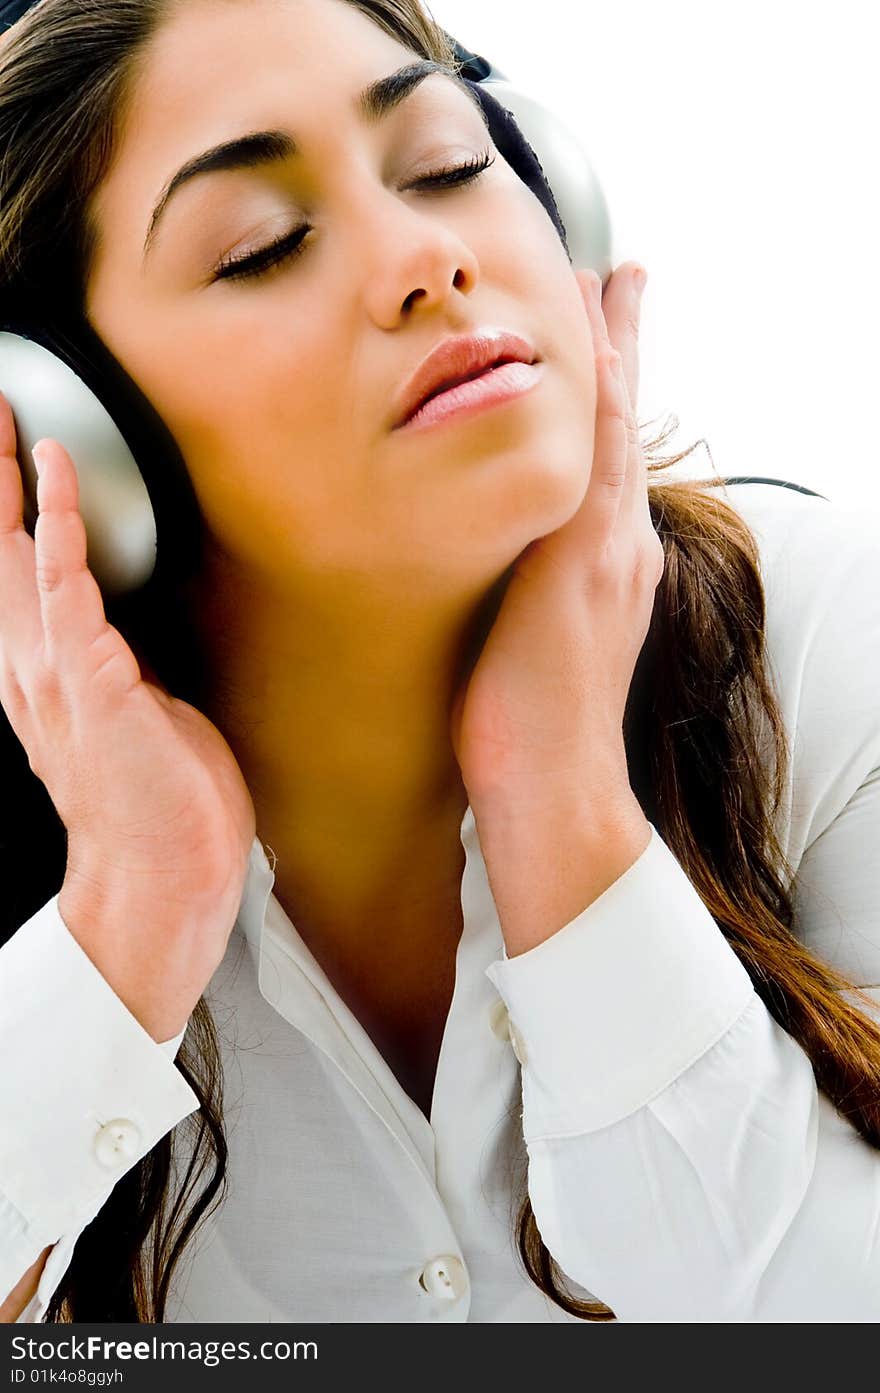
[
  {"x": 148, "y": 673},
  {"x": 455, "y": 720}
]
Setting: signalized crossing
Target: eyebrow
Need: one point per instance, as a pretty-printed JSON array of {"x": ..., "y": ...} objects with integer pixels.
[{"x": 267, "y": 147}]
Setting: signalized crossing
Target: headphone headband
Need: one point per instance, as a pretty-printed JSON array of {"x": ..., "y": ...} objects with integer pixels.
[{"x": 12, "y": 10}]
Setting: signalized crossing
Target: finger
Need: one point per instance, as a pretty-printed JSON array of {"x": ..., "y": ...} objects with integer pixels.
[
  {"x": 634, "y": 497},
  {"x": 621, "y": 310},
  {"x": 621, "y": 297},
  {"x": 22, "y": 630},
  {"x": 596, "y": 518},
  {"x": 634, "y": 505},
  {"x": 618, "y": 466},
  {"x": 11, "y": 490},
  {"x": 612, "y": 454},
  {"x": 76, "y": 635}
]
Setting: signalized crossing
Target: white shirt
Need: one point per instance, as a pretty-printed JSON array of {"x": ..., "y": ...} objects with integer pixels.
[{"x": 682, "y": 1164}]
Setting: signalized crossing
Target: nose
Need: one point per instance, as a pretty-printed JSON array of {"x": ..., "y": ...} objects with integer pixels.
[{"x": 410, "y": 257}]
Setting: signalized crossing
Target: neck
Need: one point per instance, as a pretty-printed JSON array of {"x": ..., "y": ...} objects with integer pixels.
[{"x": 336, "y": 706}]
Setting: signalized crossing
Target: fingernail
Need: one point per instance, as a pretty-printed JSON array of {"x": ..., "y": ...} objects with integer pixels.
[
  {"x": 640, "y": 276},
  {"x": 38, "y": 457}
]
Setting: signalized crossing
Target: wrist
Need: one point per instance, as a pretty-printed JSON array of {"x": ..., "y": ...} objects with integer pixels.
[
  {"x": 514, "y": 812},
  {"x": 140, "y": 957},
  {"x": 549, "y": 859}
]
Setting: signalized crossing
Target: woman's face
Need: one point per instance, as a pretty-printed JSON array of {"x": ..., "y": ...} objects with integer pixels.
[{"x": 279, "y": 388}]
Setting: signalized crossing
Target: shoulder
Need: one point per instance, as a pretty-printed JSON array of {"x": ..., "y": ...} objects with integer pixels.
[{"x": 820, "y": 566}]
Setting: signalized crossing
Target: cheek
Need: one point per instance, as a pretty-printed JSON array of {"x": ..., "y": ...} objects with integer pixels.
[
  {"x": 570, "y": 340},
  {"x": 534, "y": 266},
  {"x": 259, "y": 426},
  {"x": 249, "y": 422},
  {"x": 524, "y": 240},
  {"x": 271, "y": 478}
]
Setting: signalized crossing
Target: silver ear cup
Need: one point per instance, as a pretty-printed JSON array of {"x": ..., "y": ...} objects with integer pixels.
[
  {"x": 48, "y": 399},
  {"x": 569, "y": 172}
]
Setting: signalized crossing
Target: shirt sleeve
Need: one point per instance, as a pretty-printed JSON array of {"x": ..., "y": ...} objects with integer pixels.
[
  {"x": 683, "y": 1164},
  {"x": 85, "y": 1092}
]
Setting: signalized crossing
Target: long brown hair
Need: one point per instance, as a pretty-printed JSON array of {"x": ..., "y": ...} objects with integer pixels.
[{"x": 704, "y": 734}]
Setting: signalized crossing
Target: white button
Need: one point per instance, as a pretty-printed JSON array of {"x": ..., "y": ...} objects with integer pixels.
[
  {"x": 499, "y": 1020},
  {"x": 117, "y": 1141},
  {"x": 519, "y": 1045},
  {"x": 444, "y": 1276}
]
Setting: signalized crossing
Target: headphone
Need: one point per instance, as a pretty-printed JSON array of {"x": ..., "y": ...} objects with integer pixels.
[{"x": 140, "y": 512}]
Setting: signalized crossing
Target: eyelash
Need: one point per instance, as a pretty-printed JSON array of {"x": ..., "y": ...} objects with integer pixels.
[{"x": 258, "y": 263}]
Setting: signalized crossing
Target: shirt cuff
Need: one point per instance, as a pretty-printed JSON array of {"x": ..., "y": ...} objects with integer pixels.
[
  {"x": 613, "y": 1007},
  {"x": 85, "y": 1090}
]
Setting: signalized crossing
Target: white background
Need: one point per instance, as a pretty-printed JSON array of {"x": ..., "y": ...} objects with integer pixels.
[{"x": 736, "y": 147}]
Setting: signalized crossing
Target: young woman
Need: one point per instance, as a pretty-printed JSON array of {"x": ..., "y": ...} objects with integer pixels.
[{"x": 547, "y": 1006}]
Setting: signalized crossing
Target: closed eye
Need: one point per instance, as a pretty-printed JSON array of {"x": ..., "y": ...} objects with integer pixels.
[{"x": 285, "y": 248}]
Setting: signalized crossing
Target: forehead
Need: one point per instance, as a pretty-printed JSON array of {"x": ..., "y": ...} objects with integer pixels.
[
  {"x": 214, "y": 59},
  {"x": 217, "y": 68}
]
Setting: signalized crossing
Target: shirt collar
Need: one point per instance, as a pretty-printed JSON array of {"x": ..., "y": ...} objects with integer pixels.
[{"x": 293, "y": 982}]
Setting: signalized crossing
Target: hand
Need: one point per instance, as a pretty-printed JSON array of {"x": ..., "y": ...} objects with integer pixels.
[
  {"x": 542, "y": 713},
  {"x": 159, "y": 820}
]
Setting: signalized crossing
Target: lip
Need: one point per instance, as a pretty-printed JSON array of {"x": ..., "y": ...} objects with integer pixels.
[{"x": 456, "y": 358}]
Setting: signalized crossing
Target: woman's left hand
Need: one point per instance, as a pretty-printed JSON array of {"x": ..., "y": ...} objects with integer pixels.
[{"x": 540, "y": 719}]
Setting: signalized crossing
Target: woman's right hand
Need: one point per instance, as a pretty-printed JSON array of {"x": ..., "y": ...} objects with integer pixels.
[{"x": 159, "y": 820}]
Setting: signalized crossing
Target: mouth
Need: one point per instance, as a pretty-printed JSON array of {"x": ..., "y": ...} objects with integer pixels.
[
  {"x": 498, "y": 383},
  {"x": 456, "y": 381},
  {"x": 456, "y": 363}
]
